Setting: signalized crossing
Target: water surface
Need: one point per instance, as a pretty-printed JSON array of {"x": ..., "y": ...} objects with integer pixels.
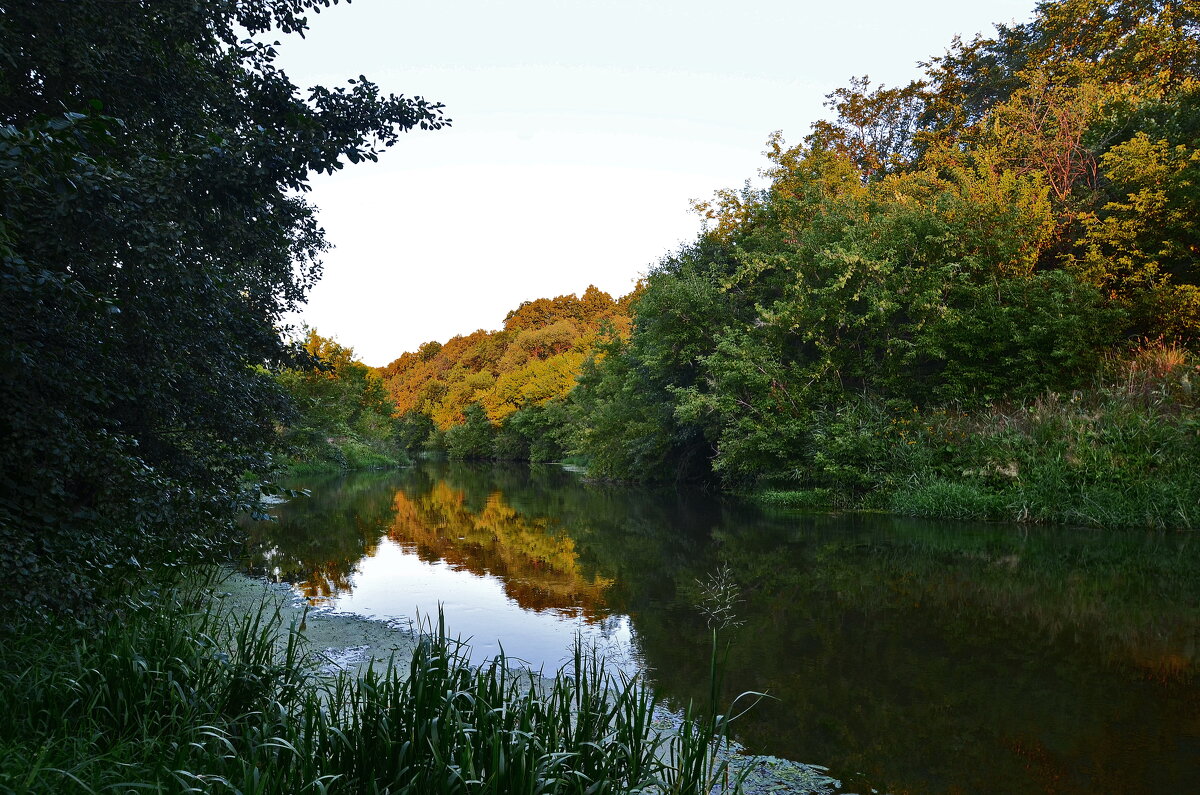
[{"x": 906, "y": 656}]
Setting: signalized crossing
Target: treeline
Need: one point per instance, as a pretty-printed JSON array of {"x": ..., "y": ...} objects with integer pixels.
[
  {"x": 503, "y": 394},
  {"x": 973, "y": 295}
]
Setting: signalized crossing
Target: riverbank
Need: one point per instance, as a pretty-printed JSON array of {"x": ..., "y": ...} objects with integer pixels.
[
  {"x": 358, "y": 459},
  {"x": 195, "y": 683},
  {"x": 335, "y": 642},
  {"x": 361, "y": 647},
  {"x": 1119, "y": 452},
  {"x": 1123, "y": 455}
]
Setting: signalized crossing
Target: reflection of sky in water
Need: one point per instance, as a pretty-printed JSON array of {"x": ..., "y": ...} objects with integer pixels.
[{"x": 394, "y": 584}]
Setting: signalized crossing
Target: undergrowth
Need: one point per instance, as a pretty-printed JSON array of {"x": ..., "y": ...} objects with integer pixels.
[{"x": 1123, "y": 453}]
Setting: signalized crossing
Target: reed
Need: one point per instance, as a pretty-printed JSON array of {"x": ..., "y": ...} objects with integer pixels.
[{"x": 170, "y": 697}]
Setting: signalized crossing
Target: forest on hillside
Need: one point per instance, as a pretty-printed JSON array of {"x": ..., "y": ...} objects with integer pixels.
[
  {"x": 974, "y": 295},
  {"x": 503, "y": 393}
]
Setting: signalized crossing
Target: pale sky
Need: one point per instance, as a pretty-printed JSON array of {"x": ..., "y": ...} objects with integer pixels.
[{"x": 582, "y": 130}]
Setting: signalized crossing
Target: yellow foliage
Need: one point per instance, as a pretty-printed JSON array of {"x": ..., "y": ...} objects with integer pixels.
[
  {"x": 535, "y": 383},
  {"x": 536, "y": 358}
]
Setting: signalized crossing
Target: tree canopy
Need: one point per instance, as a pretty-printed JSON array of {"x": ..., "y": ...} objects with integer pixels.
[
  {"x": 344, "y": 418},
  {"x": 153, "y": 233},
  {"x": 986, "y": 233}
]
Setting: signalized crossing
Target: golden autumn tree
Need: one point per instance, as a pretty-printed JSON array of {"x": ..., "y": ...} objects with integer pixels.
[{"x": 530, "y": 363}]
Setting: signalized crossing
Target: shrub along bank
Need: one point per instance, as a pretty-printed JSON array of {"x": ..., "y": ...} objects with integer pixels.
[{"x": 1122, "y": 454}]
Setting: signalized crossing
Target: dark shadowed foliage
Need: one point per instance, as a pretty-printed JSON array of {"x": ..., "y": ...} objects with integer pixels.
[{"x": 153, "y": 234}]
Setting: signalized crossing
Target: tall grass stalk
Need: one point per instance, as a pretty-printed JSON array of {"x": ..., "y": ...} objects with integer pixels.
[{"x": 698, "y": 758}]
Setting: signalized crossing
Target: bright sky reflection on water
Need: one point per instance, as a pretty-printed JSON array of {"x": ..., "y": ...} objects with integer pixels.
[{"x": 396, "y": 584}]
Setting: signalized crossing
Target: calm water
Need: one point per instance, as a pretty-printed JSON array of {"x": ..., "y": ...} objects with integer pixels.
[{"x": 906, "y": 656}]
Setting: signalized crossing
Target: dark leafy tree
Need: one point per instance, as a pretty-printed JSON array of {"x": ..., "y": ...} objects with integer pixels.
[
  {"x": 413, "y": 430},
  {"x": 473, "y": 439},
  {"x": 153, "y": 234},
  {"x": 969, "y": 79}
]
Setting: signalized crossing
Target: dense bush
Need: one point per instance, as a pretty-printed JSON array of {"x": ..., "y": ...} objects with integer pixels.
[
  {"x": 153, "y": 236},
  {"x": 473, "y": 438},
  {"x": 1120, "y": 453}
]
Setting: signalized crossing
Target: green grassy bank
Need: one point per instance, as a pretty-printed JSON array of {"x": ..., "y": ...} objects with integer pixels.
[
  {"x": 1123, "y": 454},
  {"x": 343, "y": 454}
]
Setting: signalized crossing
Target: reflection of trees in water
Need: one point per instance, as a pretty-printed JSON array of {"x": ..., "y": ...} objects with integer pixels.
[
  {"x": 1130, "y": 598},
  {"x": 535, "y": 558},
  {"x": 929, "y": 657},
  {"x": 455, "y": 514},
  {"x": 926, "y": 656},
  {"x": 318, "y": 540}
]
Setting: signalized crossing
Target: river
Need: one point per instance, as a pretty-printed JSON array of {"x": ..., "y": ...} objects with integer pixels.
[{"x": 906, "y": 656}]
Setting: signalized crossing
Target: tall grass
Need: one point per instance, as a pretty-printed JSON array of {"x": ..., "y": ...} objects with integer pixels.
[
  {"x": 174, "y": 694},
  {"x": 1123, "y": 453}
]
